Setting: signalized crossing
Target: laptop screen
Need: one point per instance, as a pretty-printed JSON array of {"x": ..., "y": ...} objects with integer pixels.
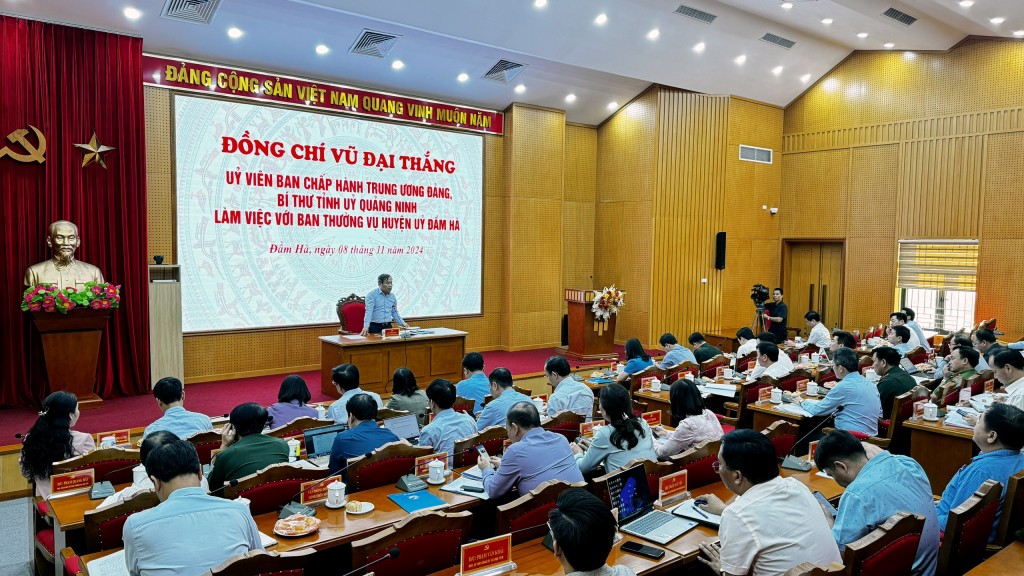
[
  {"x": 403, "y": 426},
  {"x": 319, "y": 440},
  {"x": 907, "y": 365},
  {"x": 630, "y": 493}
]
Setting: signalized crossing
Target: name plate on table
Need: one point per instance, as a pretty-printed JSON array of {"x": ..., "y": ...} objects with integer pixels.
[
  {"x": 673, "y": 376},
  {"x": 764, "y": 395},
  {"x": 646, "y": 382},
  {"x": 587, "y": 429},
  {"x": 990, "y": 386},
  {"x": 391, "y": 332},
  {"x": 652, "y": 418},
  {"x": 720, "y": 372},
  {"x": 492, "y": 556},
  {"x": 72, "y": 482},
  {"x": 919, "y": 409},
  {"x": 751, "y": 365},
  {"x": 672, "y": 487},
  {"x": 317, "y": 494},
  {"x": 121, "y": 437},
  {"x": 423, "y": 463},
  {"x": 965, "y": 395},
  {"x": 801, "y": 386},
  {"x": 811, "y": 448}
]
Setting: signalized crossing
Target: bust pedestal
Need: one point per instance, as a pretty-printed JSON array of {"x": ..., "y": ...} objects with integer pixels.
[{"x": 71, "y": 350}]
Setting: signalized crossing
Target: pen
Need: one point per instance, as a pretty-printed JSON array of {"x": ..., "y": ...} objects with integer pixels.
[{"x": 698, "y": 510}]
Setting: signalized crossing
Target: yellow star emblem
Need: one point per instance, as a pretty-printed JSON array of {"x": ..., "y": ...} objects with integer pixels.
[{"x": 93, "y": 151}]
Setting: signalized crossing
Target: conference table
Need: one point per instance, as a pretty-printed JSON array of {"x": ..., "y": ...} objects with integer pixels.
[
  {"x": 1007, "y": 562},
  {"x": 940, "y": 450}
]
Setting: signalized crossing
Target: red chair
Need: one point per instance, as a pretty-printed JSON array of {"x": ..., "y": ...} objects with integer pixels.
[
  {"x": 680, "y": 371},
  {"x": 492, "y": 439},
  {"x": 979, "y": 380},
  {"x": 739, "y": 416},
  {"x": 531, "y": 510},
  {"x": 783, "y": 435},
  {"x": 967, "y": 530},
  {"x": 351, "y": 313},
  {"x": 1012, "y": 518},
  {"x": 111, "y": 464},
  {"x": 464, "y": 405},
  {"x": 296, "y": 429},
  {"x": 888, "y": 550},
  {"x": 384, "y": 466},
  {"x": 261, "y": 563},
  {"x": 917, "y": 355},
  {"x": 726, "y": 428},
  {"x": 697, "y": 461},
  {"x": 788, "y": 382},
  {"x": 103, "y": 527},
  {"x": 829, "y": 377},
  {"x": 428, "y": 542},
  {"x": 273, "y": 487},
  {"x": 902, "y": 410},
  {"x": 565, "y": 423},
  {"x": 206, "y": 443},
  {"x": 708, "y": 368}
]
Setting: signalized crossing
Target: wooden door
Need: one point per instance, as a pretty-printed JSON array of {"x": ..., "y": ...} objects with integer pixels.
[
  {"x": 831, "y": 282},
  {"x": 803, "y": 291}
]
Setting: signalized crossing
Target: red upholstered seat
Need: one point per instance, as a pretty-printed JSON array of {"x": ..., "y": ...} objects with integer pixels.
[
  {"x": 111, "y": 532},
  {"x": 571, "y": 431},
  {"x": 725, "y": 427},
  {"x": 976, "y": 532},
  {"x": 387, "y": 471},
  {"x": 536, "y": 517},
  {"x": 700, "y": 473},
  {"x": 830, "y": 377},
  {"x": 896, "y": 559},
  {"x": 271, "y": 496},
  {"x": 493, "y": 446},
  {"x": 753, "y": 392},
  {"x": 72, "y": 565},
  {"x": 783, "y": 444},
  {"x": 422, "y": 554},
  {"x": 859, "y": 435},
  {"x": 45, "y": 539},
  {"x": 354, "y": 313},
  {"x": 42, "y": 507}
]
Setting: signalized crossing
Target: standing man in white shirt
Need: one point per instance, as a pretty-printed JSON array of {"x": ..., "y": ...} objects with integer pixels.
[
  {"x": 768, "y": 364},
  {"x": 381, "y": 308},
  {"x": 819, "y": 335},
  {"x": 773, "y": 524}
]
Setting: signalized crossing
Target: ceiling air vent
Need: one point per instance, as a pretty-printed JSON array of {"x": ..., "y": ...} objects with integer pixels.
[
  {"x": 778, "y": 40},
  {"x": 753, "y": 154},
  {"x": 373, "y": 43},
  {"x": 901, "y": 17},
  {"x": 504, "y": 71},
  {"x": 194, "y": 11},
  {"x": 698, "y": 15}
]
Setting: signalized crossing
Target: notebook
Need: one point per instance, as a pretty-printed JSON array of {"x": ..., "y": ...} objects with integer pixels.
[
  {"x": 687, "y": 510},
  {"x": 413, "y": 501},
  {"x": 112, "y": 565}
]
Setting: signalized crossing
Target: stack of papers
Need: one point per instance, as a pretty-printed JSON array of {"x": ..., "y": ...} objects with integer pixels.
[
  {"x": 458, "y": 486},
  {"x": 793, "y": 409},
  {"x": 727, "y": 390},
  {"x": 953, "y": 418},
  {"x": 112, "y": 565}
]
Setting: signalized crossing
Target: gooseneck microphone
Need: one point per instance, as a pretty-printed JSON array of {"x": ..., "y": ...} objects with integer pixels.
[
  {"x": 294, "y": 507},
  {"x": 102, "y": 488},
  {"x": 393, "y": 553}
]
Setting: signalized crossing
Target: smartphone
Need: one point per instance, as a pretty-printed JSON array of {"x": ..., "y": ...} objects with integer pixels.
[
  {"x": 828, "y": 505},
  {"x": 472, "y": 489},
  {"x": 482, "y": 451},
  {"x": 963, "y": 413},
  {"x": 642, "y": 550}
]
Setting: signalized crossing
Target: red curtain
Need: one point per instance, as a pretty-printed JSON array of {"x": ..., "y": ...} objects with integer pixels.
[{"x": 69, "y": 82}]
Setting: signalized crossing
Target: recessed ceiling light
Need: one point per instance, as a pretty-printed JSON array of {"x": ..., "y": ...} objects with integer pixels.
[
  {"x": 321, "y": 49},
  {"x": 570, "y": 98},
  {"x": 740, "y": 59},
  {"x": 131, "y": 13},
  {"x": 889, "y": 45},
  {"x": 398, "y": 64},
  {"x": 967, "y": 3},
  {"x": 787, "y": 5},
  {"x": 540, "y": 3},
  {"x": 805, "y": 77},
  {"x": 613, "y": 105},
  {"x": 826, "y": 21},
  {"x": 1019, "y": 33},
  {"x": 777, "y": 70},
  {"x": 234, "y": 32},
  {"x": 601, "y": 19},
  {"x": 998, "y": 20},
  {"x": 463, "y": 77},
  {"x": 699, "y": 47},
  {"x": 653, "y": 34},
  {"x": 520, "y": 89},
  {"x": 862, "y": 35}
]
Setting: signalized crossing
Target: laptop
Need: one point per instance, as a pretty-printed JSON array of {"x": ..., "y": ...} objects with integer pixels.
[
  {"x": 631, "y": 494},
  {"x": 407, "y": 426},
  {"x": 909, "y": 366},
  {"x": 319, "y": 442}
]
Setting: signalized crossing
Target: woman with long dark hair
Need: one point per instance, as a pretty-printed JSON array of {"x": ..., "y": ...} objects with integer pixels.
[
  {"x": 408, "y": 396},
  {"x": 622, "y": 439},
  {"x": 695, "y": 423},
  {"x": 51, "y": 439},
  {"x": 637, "y": 360},
  {"x": 291, "y": 403}
]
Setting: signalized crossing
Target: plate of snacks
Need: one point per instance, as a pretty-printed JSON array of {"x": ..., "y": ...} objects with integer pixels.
[
  {"x": 357, "y": 507},
  {"x": 296, "y": 525}
]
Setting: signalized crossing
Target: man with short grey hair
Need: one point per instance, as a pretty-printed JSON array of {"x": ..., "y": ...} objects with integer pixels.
[{"x": 381, "y": 308}]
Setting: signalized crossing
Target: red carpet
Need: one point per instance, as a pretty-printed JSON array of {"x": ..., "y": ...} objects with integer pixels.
[{"x": 217, "y": 398}]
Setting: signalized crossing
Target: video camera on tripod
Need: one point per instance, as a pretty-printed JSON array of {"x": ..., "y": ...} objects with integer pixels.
[{"x": 759, "y": 294}]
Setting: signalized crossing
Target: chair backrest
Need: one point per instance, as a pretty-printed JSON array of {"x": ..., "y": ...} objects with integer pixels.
[
  {"x": 783, "y": 435},
  {"x": 679, "y": 371},
  {"x": 296, "y": 429},
  {"x": 429, "y": 541},
  {"x": 888, "y": 550},
  {"x": 967, "y": 530},
  {"x": 748, "y": 392},
  {"x": 829, "y": 376},
  {"x": 1012, "y": 518},
  {"x": 697, "y": 462},
  {"x": 261, "y": 563},
  {"x": 903, "y": 409},
  {"x": 709, "y": 367},
  {"x": 788, "y": 382},
  {"x": 638, "y": 380},
  {"x": 492, "y": 439},
  {"x": 598, "y": 486},
  {"x": 104, "y": 526},
  {"x": 979, "y": 380},
  {"x": 524, "y": 391},
  {"x": 206, "y": 443},
  {"x": 565, "y": 423},
  {"x": 384, "y": 466},
  {"x": 949, "y": 393},
  {"x": 917, "y": 355},
  {"x": 531, "y": 510},
  {"x": 990, "y": 324},
  {"x": 351, "y": 313},
  {"x": 639, "y": 407},
  {"x": 273, "y": 487},
  {"x": 385, "y": 413},
  {"x": 105, "y": 462},
  {"x": 464, "y": 405}
]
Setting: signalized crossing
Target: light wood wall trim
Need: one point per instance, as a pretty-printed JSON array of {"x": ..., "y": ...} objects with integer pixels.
[{"x": 251, "y": 374}]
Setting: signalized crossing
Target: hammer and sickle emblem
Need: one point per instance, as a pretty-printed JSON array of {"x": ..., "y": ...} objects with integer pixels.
[{"x": 19, "y": 137}]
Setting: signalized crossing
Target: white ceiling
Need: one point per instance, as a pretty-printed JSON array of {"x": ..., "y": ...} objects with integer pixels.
[{"x": 566, "y": 51}]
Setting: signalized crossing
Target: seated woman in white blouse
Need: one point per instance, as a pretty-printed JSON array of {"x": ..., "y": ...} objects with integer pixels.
[
  {"x": 622, "y": 439},
  {"x": 695, "y": 423},
  {"x": 51, "y": 439}
]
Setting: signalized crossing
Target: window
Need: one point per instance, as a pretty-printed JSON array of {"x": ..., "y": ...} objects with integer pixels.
[{"x": 937, "y": 280}]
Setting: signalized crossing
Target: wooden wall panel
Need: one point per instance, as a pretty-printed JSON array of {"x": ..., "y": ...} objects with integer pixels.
[
  {"x": 874, "y": 189},
  {"x": 1004, "y": 187},
  {"x": 999, "y": 288},
  {"x": 578, "y": 208},
  {"x": 815, "y": 186},
  {"x": 869, "y": 281},
  {"x": 160, "y": 197},
  {"x": 747, "y": 262},
  {"x": 941, "y": 184}
]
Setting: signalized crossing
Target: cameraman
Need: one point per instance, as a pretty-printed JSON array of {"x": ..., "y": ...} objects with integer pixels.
[{"x": 777, "y": 313}]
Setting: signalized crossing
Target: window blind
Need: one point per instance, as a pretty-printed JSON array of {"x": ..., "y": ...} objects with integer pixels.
[{"x": 938, "y": 265}]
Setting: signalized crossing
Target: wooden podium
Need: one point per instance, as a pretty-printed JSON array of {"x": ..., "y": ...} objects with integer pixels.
[
  {"x": 71, "y": 350},
  {"x": 589, "y": 339}
]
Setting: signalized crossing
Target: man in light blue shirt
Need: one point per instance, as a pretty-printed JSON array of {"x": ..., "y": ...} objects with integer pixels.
[
  {"x": 675, "y": 354},
  {"x": 447, "y": 425},
  {"x": 534, "y": 457},
  {"x": 170, "y": 397},
  {"x": 381, "y": 308},
  {"x": 568, "y": 393},
  {"x": 913, "y": 325},
  {"x": 474, "y": 385},
  {"x": 346, "y": 382},
  {"x": 862, "y": 406},
  {"x": 875, "y": 490},
  {"x": 189, "y": 532},
  {"x": 504, "y": 397},
  {"x": 999, "y": 434}
]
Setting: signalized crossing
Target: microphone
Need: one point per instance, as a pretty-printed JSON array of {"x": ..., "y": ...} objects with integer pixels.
[
  {"x": 294, "y": 507},
  {"x": 792, "y": 462},
  {"x": 231, "y": 483},
  {"x": 393, "y": 553},
  {"x": 413, "y": 483},
  {"x": 102, "y": 489}
]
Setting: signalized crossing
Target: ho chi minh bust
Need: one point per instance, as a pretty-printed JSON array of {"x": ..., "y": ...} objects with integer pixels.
[{"x": 63, "y": 270}]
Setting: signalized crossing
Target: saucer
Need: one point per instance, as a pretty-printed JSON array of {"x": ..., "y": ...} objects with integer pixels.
[
  {"x": 443, "y": 480},
  {"x": 342, "y": 505}
]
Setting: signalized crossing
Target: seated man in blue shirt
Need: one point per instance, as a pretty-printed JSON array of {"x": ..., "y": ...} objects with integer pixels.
[
  {"x": 875, "y": 490},
  {"x": 170, "y": 397},
  {"x": 474, "y": 384},
  {"x": 189, "y": 532},
  {"x": 346, "y": 381},
  {"x": 447, "y": 425},
  {"x": 363, "y": 435},
  {"x": 534, "y": 457},
  {"x": 859, "y": 398},
  {"x": 675, "y": 353},
  {"x": 999, "y": 435},
  {"x": 568, "y": 394},
  {"x": 504, "y": 397}
]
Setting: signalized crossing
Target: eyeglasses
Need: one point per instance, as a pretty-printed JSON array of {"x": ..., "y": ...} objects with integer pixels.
[{"x": 716, "y": 466}]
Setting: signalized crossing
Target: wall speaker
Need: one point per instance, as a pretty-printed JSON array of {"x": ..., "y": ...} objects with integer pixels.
[{"x": 720, "y": 251}]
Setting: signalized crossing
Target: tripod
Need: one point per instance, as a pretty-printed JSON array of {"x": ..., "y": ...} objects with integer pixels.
[{"x": 757, "y": 326}]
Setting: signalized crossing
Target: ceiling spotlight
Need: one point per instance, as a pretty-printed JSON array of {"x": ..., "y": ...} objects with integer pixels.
[
  {"x": 131, "y": 13},
  {"x": 540, "y": 3},
  {"x": 826, "y": 21},
  {"x": 234, "y": 32},
  {"x": 653, "y": 34},
  {"x": 601, "y": 19},
  {"x": 570, "y": 98},
  {"x": 889, "y": 45},
  {"x": 520, "y": 89},
  {"x": 862, "y": 35},
  {"x": 777, "y": 70},
  {"x": 998, "y": 20},
  {"x": 699, "y": 47},
  {"x": 398, "y": 64},
  {"x": 321, "y": 49},
  {"x": 787, "y": 5},
  {"x": 740, "y": 59},
  {"x": 463, "y": 77},
  {"x": 967, "y": 3},
  {"x": 613, "y": 105},
  {"x": 805, "y": 77},
  {"x": 1019, "y": 33}
]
